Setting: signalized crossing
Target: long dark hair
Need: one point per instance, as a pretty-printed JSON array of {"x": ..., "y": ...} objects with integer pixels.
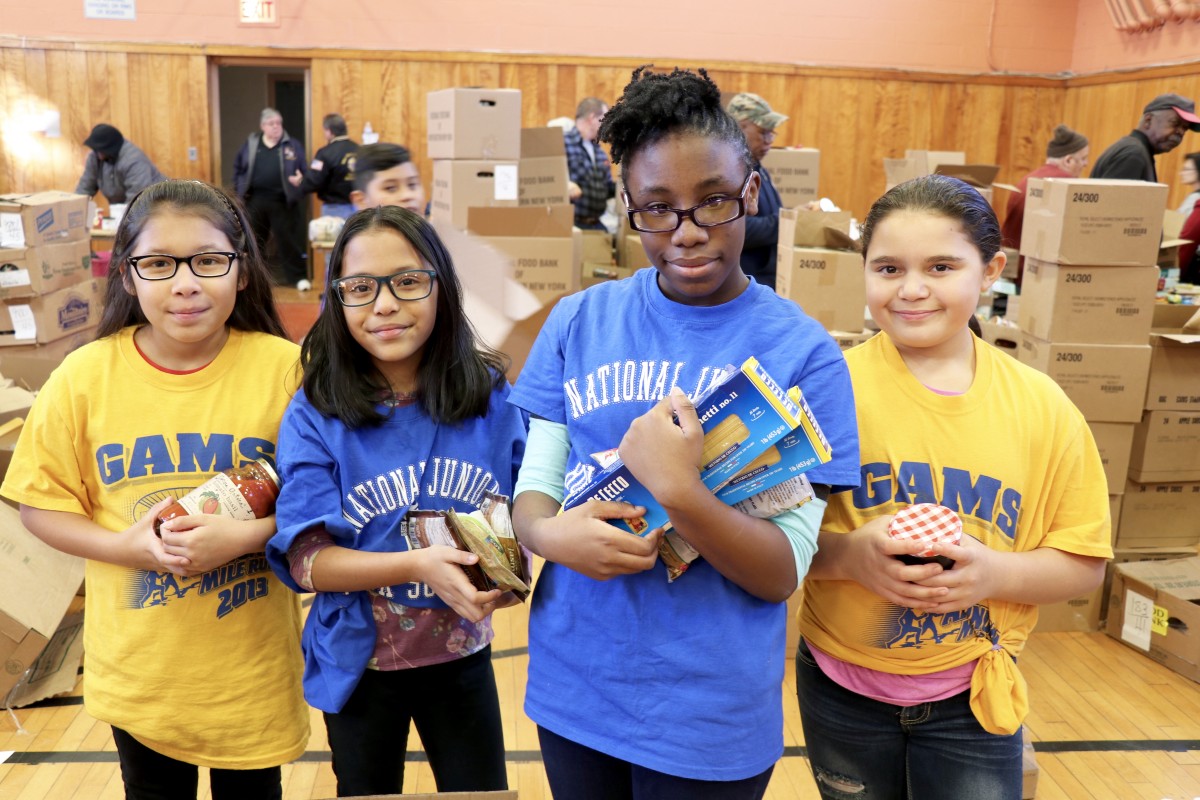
[
  {"x": 655, "y": 105},
  {"x": 457, "y": 372},
  {"x": 949, "y": 197},
  {"x": 254, "y": 308}
]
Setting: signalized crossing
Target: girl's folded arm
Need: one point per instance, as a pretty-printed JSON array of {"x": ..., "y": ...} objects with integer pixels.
[{"x": 72, "y": 533}]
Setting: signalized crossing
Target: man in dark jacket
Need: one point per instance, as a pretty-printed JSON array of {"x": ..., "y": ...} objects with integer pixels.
[
  {"x": 331, "y": 173},
  {"x": 116, "y": 167},
  {"x": 1165, "y": 120},
  {"x": 260, "y": 177},
  {"x": 591, "y": 180},
  {"x": 758, "y": 123}
]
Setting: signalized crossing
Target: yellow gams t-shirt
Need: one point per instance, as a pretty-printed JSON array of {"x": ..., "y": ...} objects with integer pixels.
[
  {"x": 1013, "y": 457},
  {"x": 203, "y": 669}
]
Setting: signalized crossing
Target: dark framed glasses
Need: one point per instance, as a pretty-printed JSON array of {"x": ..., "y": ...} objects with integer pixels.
[
  {"x": 160, "y": 267},
  {"x": 709, "y": 214},
  {"x": 362, "y": 290}
]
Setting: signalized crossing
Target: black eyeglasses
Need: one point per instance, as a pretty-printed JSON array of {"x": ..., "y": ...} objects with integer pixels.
[
  {"x": 709, "y": 214},
  {"x": 362, "y": 290},
  {"x": 160, "y": 267}
]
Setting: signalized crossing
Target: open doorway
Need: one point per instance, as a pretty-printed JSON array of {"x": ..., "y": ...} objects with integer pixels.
[{"x": 241, "y": 89}]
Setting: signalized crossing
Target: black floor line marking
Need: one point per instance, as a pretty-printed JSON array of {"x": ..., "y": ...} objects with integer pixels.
[{"x": 35, "y": 757}]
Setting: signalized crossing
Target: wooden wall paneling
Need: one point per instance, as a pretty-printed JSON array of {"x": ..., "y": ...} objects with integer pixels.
[
  {"x": 40, "y": 170},
  {"x": 12, "y": 92}
]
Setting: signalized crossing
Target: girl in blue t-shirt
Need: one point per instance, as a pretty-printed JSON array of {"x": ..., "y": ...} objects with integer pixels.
[
  {"x": 402, "y": 408},
  {"x": 643, "y": 688}
]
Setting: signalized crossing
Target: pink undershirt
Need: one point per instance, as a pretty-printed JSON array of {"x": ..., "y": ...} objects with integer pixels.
[{"x": 889, "y": 687}]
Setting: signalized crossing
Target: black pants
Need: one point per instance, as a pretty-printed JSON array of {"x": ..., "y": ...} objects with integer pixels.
[
  {"x": 280, "y": 226},
  {"x": 149, "y": 775},
  {"x": 576, "y": 772},
  {"x": 457, "y": 713}
]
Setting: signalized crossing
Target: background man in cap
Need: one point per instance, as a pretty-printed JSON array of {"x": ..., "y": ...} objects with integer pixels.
[
  {"x": 116, "y": 167},
  {"x": 588, "y": 166},
  {"x": 1164, "y": 121},
  {"x": 758, "y": 123},
  {"x": 1066, "y": 157}
]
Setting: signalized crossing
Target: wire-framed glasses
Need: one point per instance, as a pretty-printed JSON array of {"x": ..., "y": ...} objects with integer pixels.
[
  {"x": 709, "y": 214},
  {"x": 160, "y": 267},
  {"x": 362, "y": 290}
]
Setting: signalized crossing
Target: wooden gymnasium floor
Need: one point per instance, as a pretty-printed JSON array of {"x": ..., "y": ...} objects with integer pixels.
[{"x": 1107, "y": 722}]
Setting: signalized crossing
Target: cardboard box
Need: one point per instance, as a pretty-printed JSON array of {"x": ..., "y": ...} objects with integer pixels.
[
  {"x": 1106, "y": 381},
  {"x": 597, "y": 247},
  {"x": 1154, "y": 607},
  {"x": 474, "y": 123},
  {"x": 631, "y": 253},
  {"x": 795, "y": 171},
  {"x": 539, "y": 241},
  {"x": 29, "y": 366},
  {"x": 829, "y": 285},
  {"x": 1114, "y": 440},
  {"x": 1093, "y": 222},
  {"x": 29, "y": 220},
  {"x": 847, "y": 339},
  {"x": 1080, "y": 614},
  {"x": 1107, "y": 305},
  {"x": 460, "y": 185},
  {"x": 542, "y": 170},
  {"x": 1159, "y": 515},
  {"x": 800, "y": 227},
  {"x": 27, "y": 272},
  {"x": 1114, "y": 509},
  {"x": 51, "y": 316},
  {"x": 1002, "y": 334},
  {"x": 917, "y": 163},
  {"x": 1124, "y": 555},
  {"x": 1166, "y": 447},
  {"x": 15, "y": 401},
  {"x": 592, "y": 274},
  {"x": 37, "y": 590},
  {"x": 1174, "y": 381}
]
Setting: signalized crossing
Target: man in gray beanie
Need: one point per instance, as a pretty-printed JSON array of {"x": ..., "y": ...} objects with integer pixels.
[
  {"x": 1165, "y": 120},
  {"x": 116, "y": 166},
  {"x": 1066, "y": 157}
]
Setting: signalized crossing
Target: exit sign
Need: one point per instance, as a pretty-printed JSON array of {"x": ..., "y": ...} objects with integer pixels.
[{"x": 258, "y": 12}]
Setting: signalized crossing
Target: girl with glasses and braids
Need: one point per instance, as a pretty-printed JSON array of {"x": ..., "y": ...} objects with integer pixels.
[
  {"x": 643, "y": 688},
  {"x": 402, "y": 409},
  {"x": 192, "y": 644}
]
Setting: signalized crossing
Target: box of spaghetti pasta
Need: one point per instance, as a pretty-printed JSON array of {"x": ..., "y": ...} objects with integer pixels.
[
  {"x": 802, "y": 449},
  {"x": 743, "y": 416}
]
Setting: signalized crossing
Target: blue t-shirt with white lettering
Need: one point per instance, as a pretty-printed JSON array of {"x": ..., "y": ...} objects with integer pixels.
[
  {"x": 358, "y": 483},
  {"x": 683, "y": 678}
]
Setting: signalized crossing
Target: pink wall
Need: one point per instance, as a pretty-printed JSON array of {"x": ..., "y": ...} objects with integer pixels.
[
  {"x": 1100, "y": 47},
  {"x": 939, "y": 35}
]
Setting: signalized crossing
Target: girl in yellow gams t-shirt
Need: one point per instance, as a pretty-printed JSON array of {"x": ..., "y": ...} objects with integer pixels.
[
  {"x": 907, "y": 674},
  {"x": 193, "y": 644}
]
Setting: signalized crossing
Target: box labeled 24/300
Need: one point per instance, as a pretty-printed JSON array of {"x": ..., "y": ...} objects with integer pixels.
[
  {"x": 1099, "y": 223},
  {"x": 742, "y": 417}
]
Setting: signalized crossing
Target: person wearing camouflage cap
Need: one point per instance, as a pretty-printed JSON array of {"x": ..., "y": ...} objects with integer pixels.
[
  {"x": 758, "y": 123},
  {"x": 1164, "y": 121}
]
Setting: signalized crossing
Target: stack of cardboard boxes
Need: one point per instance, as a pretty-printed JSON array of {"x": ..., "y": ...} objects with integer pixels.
[
  {"x": 819, "y": 266},
  {"x": 504, "y": 184},
  {"x": 46, "y": 282},
  {"x": 1087, "y": 301}
]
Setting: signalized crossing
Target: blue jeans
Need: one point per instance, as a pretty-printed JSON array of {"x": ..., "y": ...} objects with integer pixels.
[
  {"x": 862, "y": 748},
  {"x": 576, "y": 772},
  {"x": 343, "y": 210}
]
